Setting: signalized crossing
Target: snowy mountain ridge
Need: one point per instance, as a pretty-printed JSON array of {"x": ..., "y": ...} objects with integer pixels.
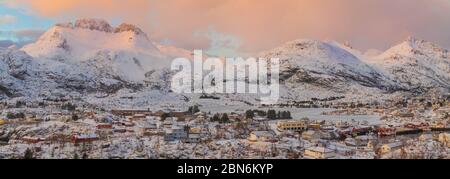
[
  {"x": 90, "y": 57},
  {"x": 418, "y": 64}
]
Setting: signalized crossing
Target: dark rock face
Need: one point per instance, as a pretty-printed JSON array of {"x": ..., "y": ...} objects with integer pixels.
[
  {"x": 103, "y": 26},
  {"x": 94, "y": 24},
  {"x": 128, "y": 28}
]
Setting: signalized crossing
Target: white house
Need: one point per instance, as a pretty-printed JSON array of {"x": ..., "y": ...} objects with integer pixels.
[
  {"x": 387, "y": 148},
  {"x": 194, "y": 138},
  {"x": 444, "y": 138},
  {"x": 292, "y": 125},
  {"x": 426, "y": 137},
  {"x": 319, "y": 153},
  {"x": 311, "y": 135},
  {"x": 175, "y": 133},
  {"x": 261, "y": 136}
]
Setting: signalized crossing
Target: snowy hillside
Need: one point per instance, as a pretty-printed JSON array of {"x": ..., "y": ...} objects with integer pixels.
[
  {"x": 20, "y": 75},
  {"x": 125, "y": 52},
  {"x": 121, "y": 66},
  {"x": 325, "y": 65},
  {"x": 418, "y": 64}
]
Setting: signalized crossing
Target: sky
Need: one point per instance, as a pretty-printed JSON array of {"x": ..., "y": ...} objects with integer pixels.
[{"x": 230, "y": 27}]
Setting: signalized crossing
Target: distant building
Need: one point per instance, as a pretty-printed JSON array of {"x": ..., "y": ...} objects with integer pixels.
[
  {"x": 259, "y": 118},
  {"x": 426, "y": 137},
  {"x": 262, "y": 136},
  {"x": 315, "y": 126},
  {"x": 104, "y": 126},
  {"x": 32, "y": 140},
  {"x": 311, "y": 135},
  {"x": 319, "y": 153},
  {"x": 193, "y": 138},
  {"x": 120, "y": 130},
  {"x": 175, "y": 134},
  {"x": 387, "y": 148},
  {"x": 405, "y": 114},
  {"x": 130, "y": 112},
  {"x": 292, "y": 125},
  {"x": 138, "y": 117},
  {"x": 84, "y": 138},
  {"x": 444, "y": 138}
]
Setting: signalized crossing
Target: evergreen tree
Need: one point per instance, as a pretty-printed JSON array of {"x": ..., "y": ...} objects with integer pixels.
[
  {"x": 28, "y": 154},
  {"x": 75, "y": 117},
  {"x": 85, "y": 156},
  {"x": 75, "y": 156},
  {"x": 215, "y": 118},
  {"x": 164, "y": 116},
  {"x": 249, "y": 114},
  {"x": 224, "y": 119},
  {"x": 289, "y": 115},
  {"x": 193, "y": 109},
  {"x": 272, "y": 115}
]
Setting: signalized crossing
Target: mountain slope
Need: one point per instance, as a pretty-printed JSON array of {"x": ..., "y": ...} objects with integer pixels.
[
  {"x": 90, "y": 58},
  {"x": 20, "y": 75},
  {"x": 325, "y": 65},
  {"x": 417, "y": 64},
  {"x": 124, "y": 53}
]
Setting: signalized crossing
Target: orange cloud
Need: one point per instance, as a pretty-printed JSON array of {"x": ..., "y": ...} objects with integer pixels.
[{"x": 263, "y": 24}]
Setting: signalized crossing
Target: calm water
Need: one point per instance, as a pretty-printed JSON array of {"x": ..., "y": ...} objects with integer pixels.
[{"x": 298, "y": 113}]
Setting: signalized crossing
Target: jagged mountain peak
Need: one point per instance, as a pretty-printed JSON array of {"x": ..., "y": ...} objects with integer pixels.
[
  {"x": 311, "y": 51},
  {"x": 125, "y": 27},
  {"x": 87, "y": 37},
  {"x": 89, "y": 23},
  {"x": 414, "y": 47},
  {"x": 94, "y": 24},
  {"x": 102, "y": 26}
]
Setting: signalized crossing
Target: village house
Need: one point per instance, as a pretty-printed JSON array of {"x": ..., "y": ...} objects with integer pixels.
[
  {"x": 32, "y": 140},
  {"x": 136, "y": 117},
  {"x": 426, "y": 137},
  {"x": 260, "y": 118},
  {"x": 89, "y": 114},
  {"x": 234, "y": 117},
  {"x": 444, "y": 138},
  {"x": 404, "y": 114},
  {"x": 126, "y": 123},
  {"x": 175, "y": 133},
  {"x": 130, "y": 112},
  {"x": 194, "y": 138},
  {"x": 387, "y": 148},
  {"x": 311, "y": 135},
  {"x": 167, "y": 123},
  {"x": 319, "y": 153},
  {"x": 104, "y": 126},
  {"x": 315, "y": 126},
  {"x": 292, "y": 125},
  {"x": 262, "y": 136},
  {"x": 360, "y": 141},
  {"x": 120, "y": 130},
  {"x": 84, "y": 138},
  {"x": 342, "y": 124},
  {"x": 152, "y": 132}
]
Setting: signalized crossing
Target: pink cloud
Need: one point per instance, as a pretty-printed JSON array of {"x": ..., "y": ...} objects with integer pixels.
[
  {"x": 7, "y": 19},
  {"x": 263, "y": 24}
]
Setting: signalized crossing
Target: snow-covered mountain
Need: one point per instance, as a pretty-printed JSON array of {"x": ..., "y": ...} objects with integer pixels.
[
  {"x": 90, "y": 56},
  {"x": 20, "y": 75},
  {"x": 124, "y": 53},
  {"x": 417, "y": 64},
  {"x": 325, "y": 64}
]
